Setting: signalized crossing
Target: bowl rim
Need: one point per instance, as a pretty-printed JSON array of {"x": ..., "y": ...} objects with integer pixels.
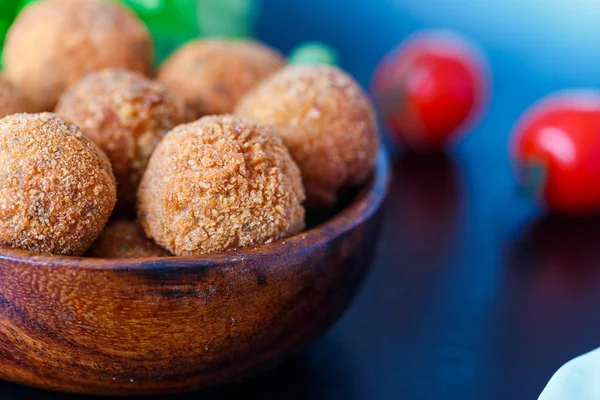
[{"x": 367, "y": 202}]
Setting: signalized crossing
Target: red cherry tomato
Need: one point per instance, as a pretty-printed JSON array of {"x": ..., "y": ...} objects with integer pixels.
[
  {"x": 430, "y": 89},
  {"x": 556, "y": 148}
]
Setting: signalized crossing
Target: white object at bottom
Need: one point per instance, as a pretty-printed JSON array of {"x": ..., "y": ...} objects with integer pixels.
[{"x": 578, "y": 379}]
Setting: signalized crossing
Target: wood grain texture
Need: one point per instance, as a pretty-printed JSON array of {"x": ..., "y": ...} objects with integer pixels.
[{"x": 149, "y": 326}]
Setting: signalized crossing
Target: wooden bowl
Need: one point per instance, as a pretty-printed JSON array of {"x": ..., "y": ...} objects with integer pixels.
[{"x": 162, "y": 325}]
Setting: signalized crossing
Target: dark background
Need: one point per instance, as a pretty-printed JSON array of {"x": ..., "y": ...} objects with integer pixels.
[{"x": 475, "y": 294}]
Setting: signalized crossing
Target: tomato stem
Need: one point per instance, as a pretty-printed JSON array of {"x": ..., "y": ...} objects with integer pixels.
[{"x": 532, "y": 178}]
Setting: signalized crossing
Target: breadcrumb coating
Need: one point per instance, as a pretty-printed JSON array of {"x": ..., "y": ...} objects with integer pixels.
[
  {"x": 11, "y": 101},
  {"x": 54, "y": 43},
  {"x": 126, "y": 115},
  {"x": 125, "y": 239},
  {"x": 57, "y": 189},
  {"x": 212, "y": 75},
  {"x": 326, "y": 121},
  {"x": 220, "y": 183}
]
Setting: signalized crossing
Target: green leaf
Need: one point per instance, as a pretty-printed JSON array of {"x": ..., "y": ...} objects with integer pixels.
[
  {"x": 227, "y": 18},
  {"x": 22, "y": 3},
  {"x": 173, "y": 22},
  {"x": 144, "y": 7},
  {"x": 313, "y": 53}
]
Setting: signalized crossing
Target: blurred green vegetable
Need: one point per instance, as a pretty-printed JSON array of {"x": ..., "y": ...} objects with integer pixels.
[
  {"x": 227, "y": 18},
  {"x": 313, "y": 53},
  {"x": 172, "y": 22},
  {"x": 8, "y": 12}
]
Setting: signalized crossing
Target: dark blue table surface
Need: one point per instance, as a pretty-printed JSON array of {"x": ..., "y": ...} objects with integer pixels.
[{"x": 475, "y": 294}]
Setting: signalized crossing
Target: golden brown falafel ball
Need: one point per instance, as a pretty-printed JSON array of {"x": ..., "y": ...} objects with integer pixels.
[
  {"x": 54, "y": 43},
  {"x": 212, "y": 75},
  {"x": 126, "y": 115},
  {"x": 11, "y": 101},
  {"x": 125, "y": 239},
  {"x": 326, "y": 121},
  {"x": 220, "y": 183},
  {"x": 57, "y": 188}
]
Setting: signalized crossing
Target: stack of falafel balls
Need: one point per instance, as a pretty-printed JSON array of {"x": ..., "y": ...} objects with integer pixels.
[{"x": 221, "y": 149}]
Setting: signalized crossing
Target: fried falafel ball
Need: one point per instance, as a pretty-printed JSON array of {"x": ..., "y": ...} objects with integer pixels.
[
  {"x": 212, "y": 75},
  {"x": 11, "y": 101},
  {"x": 326, "y": 121},
  {"x": 125, "y": 239},
  {"x": 220, "y": 183},
  {"x": 57, "y": 188},
  {"x": 126, "y": 115},
  {"x": 54, "y": 43}
]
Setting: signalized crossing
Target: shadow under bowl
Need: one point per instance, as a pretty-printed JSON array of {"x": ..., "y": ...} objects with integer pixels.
[{"x": 164, "y": 325}]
